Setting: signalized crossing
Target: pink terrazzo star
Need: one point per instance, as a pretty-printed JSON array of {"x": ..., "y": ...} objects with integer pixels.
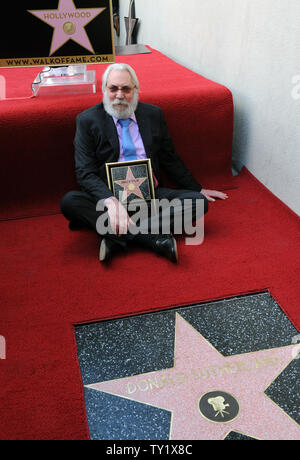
[
  {"x": 131, "y": 185},
  {"x": 68, "y": 23},
  {"x": 199, "y": 369}
]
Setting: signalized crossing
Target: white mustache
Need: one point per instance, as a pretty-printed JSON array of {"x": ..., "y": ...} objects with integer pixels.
[
  {"x": 113, "y": 110},
  {"x": 120, "y": 102}
]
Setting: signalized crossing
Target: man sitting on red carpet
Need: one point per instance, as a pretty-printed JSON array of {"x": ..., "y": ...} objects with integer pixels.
[{"x": 120, "y": 129}]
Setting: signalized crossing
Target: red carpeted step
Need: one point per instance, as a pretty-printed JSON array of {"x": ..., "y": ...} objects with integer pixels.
[{"x": 37, "y": 134}]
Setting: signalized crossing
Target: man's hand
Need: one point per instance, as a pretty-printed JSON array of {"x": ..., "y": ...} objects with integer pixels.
[
  {"x": 118, "y": 217},
  {"x": 212, "y": 194}
]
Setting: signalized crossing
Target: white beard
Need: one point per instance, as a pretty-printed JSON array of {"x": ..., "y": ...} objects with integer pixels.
[{"x": 121, "y": 113}]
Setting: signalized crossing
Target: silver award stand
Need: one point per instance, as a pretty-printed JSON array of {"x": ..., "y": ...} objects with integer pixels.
[{"x": 130, "y": 25}]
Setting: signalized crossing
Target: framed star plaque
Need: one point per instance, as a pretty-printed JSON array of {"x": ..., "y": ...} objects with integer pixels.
[
  {"x": 56, "y": 33},
  {"x": 131, "y": 180}
]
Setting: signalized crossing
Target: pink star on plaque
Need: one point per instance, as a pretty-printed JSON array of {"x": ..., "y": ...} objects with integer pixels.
[
  {"x": 131, "y": 185},
  {"x": 210, "y": 395},
  {"x": 68, "y": 23}
]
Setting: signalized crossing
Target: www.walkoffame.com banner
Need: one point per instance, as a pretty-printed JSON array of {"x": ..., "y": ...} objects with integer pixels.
[{"x": 56, "y": 33}]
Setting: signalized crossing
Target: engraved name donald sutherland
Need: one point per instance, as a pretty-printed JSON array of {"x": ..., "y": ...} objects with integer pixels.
[{"x": 150, "y": 382}]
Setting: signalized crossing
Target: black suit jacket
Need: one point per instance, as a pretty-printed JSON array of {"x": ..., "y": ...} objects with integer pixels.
[{"x": 96, "y": 143}]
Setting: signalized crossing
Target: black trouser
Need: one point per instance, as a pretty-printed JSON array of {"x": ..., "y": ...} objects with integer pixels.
[{"x": 80, "y": 209}]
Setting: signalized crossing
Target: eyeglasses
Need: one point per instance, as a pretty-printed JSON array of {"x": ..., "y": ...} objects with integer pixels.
[{"x": 124, "y": 89}]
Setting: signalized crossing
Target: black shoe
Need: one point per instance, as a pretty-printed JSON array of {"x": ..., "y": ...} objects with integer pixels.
[
  {"x": 165, "y": 245},
  {"x": 74, "y": 225},
  {"x": 107, "y": 249}
]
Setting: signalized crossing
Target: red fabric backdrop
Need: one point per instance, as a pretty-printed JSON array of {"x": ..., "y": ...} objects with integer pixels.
[{"x": 37, "y": 165}]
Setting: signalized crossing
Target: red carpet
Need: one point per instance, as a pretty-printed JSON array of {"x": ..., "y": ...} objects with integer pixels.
[{"x": 51, "y": 279}]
